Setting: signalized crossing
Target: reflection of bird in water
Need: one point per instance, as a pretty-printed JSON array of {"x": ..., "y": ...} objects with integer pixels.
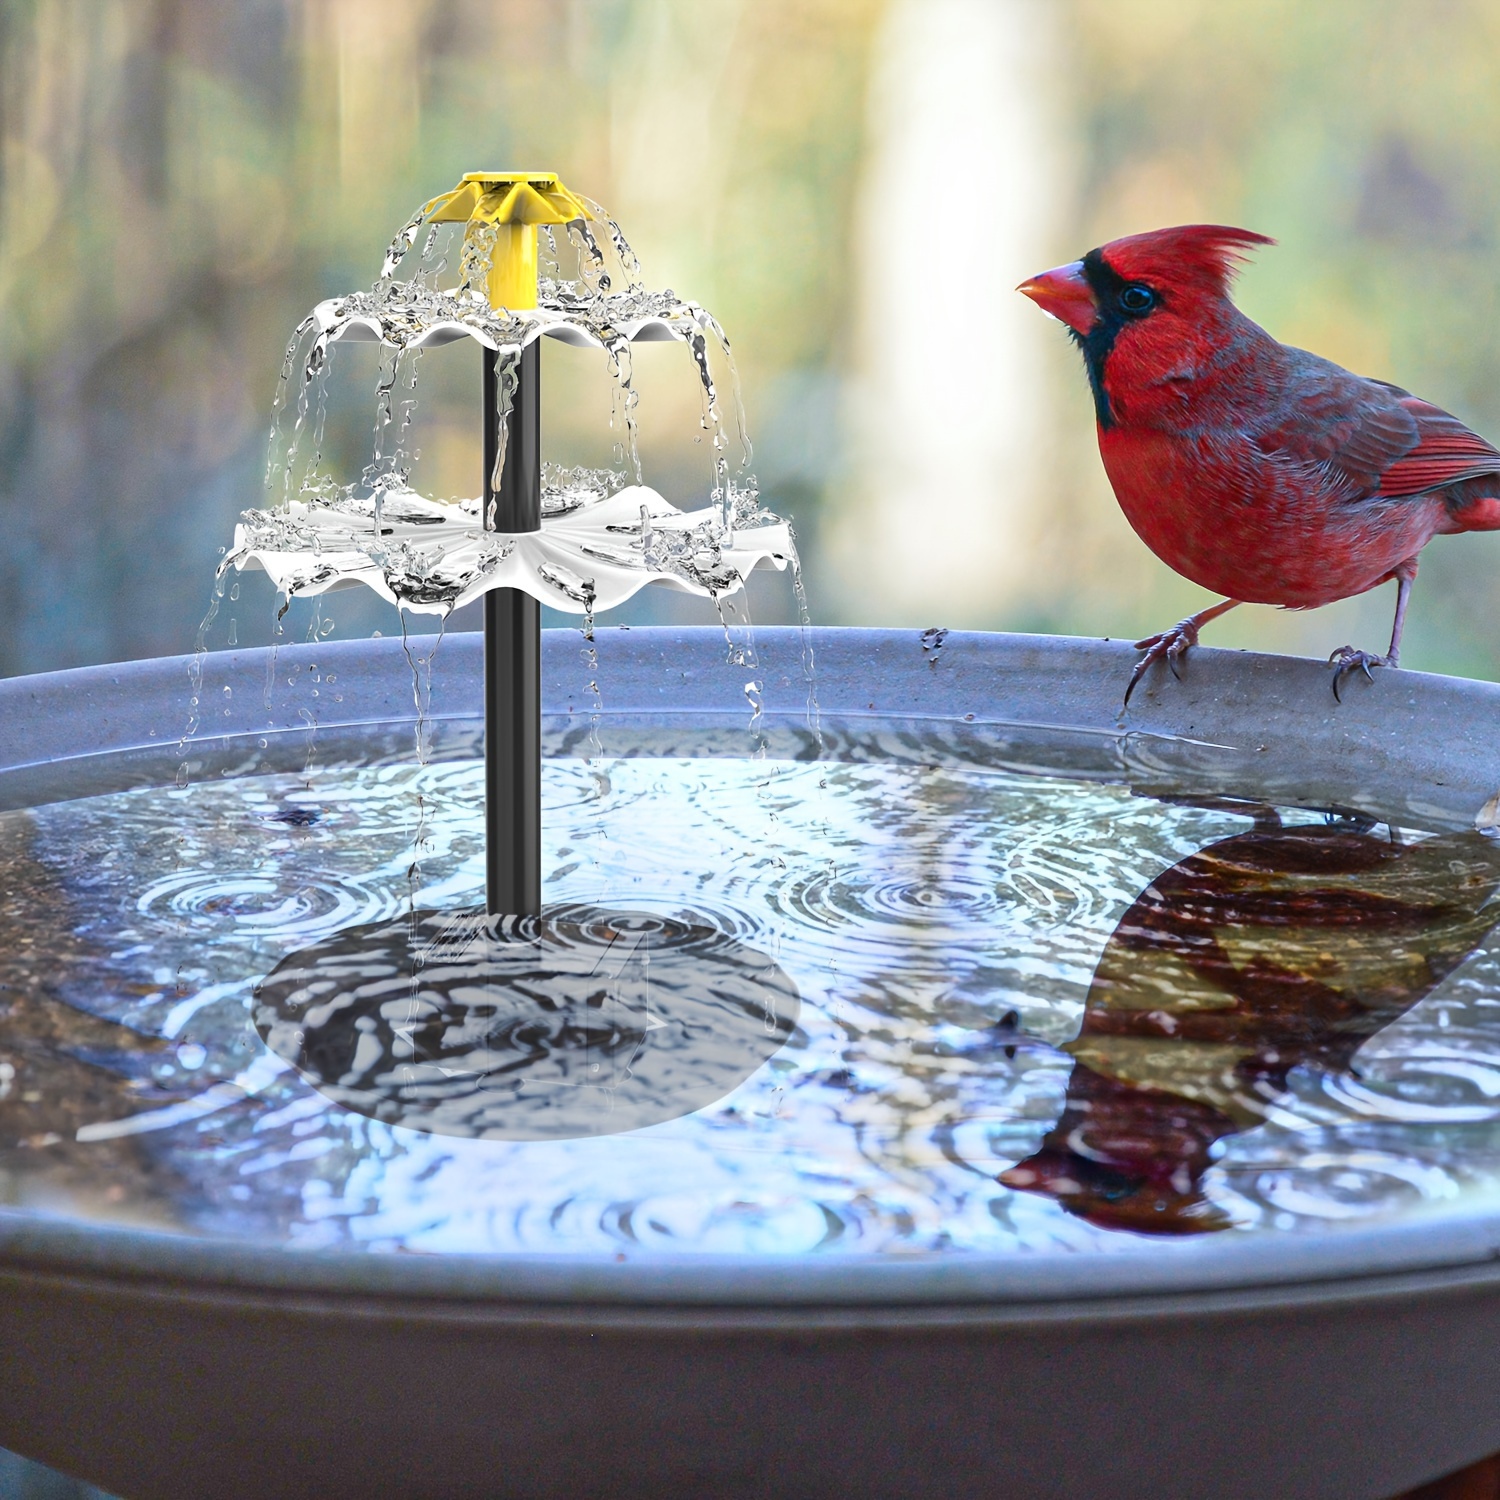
[{"x": 1277, "y": 948}]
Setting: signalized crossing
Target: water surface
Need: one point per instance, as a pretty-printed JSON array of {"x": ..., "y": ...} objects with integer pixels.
[{"x": 1031, "y": 1013}]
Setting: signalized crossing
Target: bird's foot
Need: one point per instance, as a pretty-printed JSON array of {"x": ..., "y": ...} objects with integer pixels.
[
  {"x": 1169, "y": 646},
  {"x": 1346, "y": 660}
]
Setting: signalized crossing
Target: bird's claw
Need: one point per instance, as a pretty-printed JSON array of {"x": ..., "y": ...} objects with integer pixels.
[
  {"x": 1347, "y": 659},
  {"x": 1169, "y": 646}
]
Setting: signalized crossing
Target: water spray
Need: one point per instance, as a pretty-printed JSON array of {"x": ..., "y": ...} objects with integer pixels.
[{"x": 580, "y": 541}]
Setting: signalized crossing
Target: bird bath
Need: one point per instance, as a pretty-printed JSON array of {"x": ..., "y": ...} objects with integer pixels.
[{"x": 975, "y": 1088}]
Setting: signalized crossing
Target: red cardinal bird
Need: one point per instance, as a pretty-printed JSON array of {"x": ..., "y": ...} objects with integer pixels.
[{"x": 1257, "y": 470}]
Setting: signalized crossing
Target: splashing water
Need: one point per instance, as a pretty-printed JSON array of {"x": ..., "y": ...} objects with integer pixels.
[
  {"x": 604, "y": 534},
  {"x": 626, "y": 256}
]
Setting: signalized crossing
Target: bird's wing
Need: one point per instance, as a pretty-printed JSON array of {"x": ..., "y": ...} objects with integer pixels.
[
  {"x": 1372, "y": 438},
  {"x": 1446, "y": 453}
]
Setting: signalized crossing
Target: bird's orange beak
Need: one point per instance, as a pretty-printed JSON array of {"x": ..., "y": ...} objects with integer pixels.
[{"x": 1064, "y": 294}]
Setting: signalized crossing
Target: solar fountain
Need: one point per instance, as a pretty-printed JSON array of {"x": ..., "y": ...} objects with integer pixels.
[{"x": 596, "y": 1063}]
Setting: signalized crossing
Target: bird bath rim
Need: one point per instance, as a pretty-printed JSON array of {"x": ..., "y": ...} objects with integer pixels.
[{"x": 1410, "y": 746}]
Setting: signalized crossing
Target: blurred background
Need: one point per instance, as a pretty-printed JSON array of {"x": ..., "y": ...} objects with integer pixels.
[{"x": 853, "y": 186}]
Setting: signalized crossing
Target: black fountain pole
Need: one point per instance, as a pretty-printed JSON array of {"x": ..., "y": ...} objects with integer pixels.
[
  {"x": 505, "y": 208},
  {"x": 513, "y": 655}
]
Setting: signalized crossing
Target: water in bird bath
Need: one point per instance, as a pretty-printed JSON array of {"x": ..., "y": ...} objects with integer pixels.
[{"x": 1012, "y": 1012}]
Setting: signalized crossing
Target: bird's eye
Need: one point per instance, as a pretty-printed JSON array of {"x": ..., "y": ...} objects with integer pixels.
[{"x": 1136, "y": 299}]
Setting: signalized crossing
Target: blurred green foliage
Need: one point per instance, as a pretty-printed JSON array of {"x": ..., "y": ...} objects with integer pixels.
[{"x": 181, "y": 179}]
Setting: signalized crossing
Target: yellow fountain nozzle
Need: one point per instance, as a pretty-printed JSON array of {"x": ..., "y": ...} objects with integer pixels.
[
  {"x": 514, "y": 203},
  {"x": 508, "y": 198}
]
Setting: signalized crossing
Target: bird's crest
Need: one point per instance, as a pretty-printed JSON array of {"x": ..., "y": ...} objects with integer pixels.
[{"x": 1207, "y": 255}]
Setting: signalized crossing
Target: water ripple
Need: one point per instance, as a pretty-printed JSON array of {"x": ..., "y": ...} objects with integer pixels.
[{"x": 943, "y": 927}]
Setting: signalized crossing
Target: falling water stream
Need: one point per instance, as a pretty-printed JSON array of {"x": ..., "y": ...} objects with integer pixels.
[{"x": 433, "y": 555}]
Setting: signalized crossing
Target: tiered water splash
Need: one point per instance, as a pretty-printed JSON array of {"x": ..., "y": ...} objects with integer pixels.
[{"x": 600, "y": 535}]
